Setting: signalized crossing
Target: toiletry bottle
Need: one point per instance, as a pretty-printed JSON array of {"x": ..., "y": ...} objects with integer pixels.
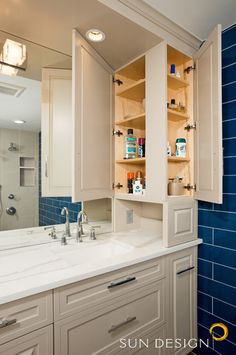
[
  {"x": 130, "y": 179},
  {"x": 168, "y": 149},
  {"x": 141, "y": 147},
  {"x": 181, "y": 147},
  {"x": 172, "y": 69},
  {"x": 137, "y": 185},
  {"x": 130, "y": 145}
]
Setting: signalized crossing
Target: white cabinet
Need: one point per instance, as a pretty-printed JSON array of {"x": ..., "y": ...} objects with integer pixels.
[
  {"x": 183, "y": 303},
  {"x": 142, "y": 89},
  {"x": 56, "y": 132}
]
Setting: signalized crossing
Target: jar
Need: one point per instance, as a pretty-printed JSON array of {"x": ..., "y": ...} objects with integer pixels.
[
  {"x": 180, "y": 147},
  {"x": 176, "y": 186}
]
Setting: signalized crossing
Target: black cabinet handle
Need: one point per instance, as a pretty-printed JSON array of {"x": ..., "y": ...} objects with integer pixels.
[
  {"x": 121, "y": 282},
  {"x": 6, "y": 322},
  {"x": 185, "y": 270}
]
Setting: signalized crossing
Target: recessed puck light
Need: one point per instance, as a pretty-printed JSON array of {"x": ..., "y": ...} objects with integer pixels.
[
  {"x": 19, "y": 121},
  {"x": 95, "y": 35}
]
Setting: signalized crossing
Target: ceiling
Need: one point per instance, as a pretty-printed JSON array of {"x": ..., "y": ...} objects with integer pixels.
[
  {"x": 197, "y": 17},
  {"x": 50, "y": 23},
  {"x": 26, "y": 107}
]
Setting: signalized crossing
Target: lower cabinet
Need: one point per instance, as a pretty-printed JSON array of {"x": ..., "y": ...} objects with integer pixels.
[
  {"x": 183, "y": 303},
  {"x": 39, "y": 342}
]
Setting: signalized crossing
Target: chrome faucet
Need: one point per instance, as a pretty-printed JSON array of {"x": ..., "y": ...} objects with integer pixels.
[
  {"x": 81, "y": 219},
  {"x": 65, "y": 211}
]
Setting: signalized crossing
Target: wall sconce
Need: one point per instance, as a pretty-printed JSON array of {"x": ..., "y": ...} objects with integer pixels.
[{"x": 12, "y": 57}]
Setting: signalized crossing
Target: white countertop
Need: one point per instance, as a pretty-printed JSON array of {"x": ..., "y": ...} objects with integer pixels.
[{"x": 29, "y": 270}]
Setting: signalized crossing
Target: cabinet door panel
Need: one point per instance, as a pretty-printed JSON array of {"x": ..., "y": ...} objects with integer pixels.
[
  {"x": 208, "y": 118},
  {"x": 56, "y": 132},
  {"x": 92, "y": 124}
]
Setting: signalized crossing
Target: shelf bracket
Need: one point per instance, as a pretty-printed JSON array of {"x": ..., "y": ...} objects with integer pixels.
[
  {"x": 188, "y": 69},
  {"x": 117, "y": 133},
  {"x": 190, "y": 126},
  {"x": 117, "y": 81},
  {"x": 190, "y": 187},
  {"x": 117, "y": 186}
]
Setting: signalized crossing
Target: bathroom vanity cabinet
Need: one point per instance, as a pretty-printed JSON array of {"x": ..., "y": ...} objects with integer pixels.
[
  {"x": 151, "y": 300},
  {"x": 136, "y": 96}
]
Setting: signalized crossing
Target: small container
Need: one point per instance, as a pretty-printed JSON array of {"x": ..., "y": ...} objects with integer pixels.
[
  {"x": 141, "y": 147},
  {"x": 181, "y": 147},
  {"x": 137, "y": 184},
  {"x": 172, "y": 69},
  {"x": 130, "y": 179},
  {"x": 168, "y": 149},
  {"x": 130, "y": 145},
  {"x": 173, "y": 105},
  {"x": 176, "y": 186}
]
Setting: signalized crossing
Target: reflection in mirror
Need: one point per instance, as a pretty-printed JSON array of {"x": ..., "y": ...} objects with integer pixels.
[{"x": 23, "y": 204}]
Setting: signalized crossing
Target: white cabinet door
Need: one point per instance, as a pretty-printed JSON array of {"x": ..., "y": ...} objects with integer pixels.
[
  {"x": 56, "y": 132},
  {"x": 92, "y": 123},
  {"x": 183, "y": 307},
  {"x": 208, "y": 118}
]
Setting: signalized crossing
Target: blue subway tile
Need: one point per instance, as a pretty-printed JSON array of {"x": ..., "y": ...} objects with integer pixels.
[
  {"x": 229, "y": 146},
  {"x": 225, "y": 311},
  {"x": 228, "y": 37},
  {"x": 229, "y": 110},
  {"x": 229, "y": 92},
  {"x": 205, "y": 234},
  {"x": 230, "y": 166},
  {"x": 217, "y": 219},
  {"x": 229, "y": 56},
  {"x": 225, "y": 275},
  {"x": 205, "y": 205},
  {"x": 229, "y": 204},
  {"x": 204, "y": 268},
  {"x": 229, "y": 186},
  {"x": 229, "y": 128},
  {"x": 229, "y": 74},
  {"x": 225, "y": 239},
  {"x": 217, "y": 290},
  {"x": 218, "y": 255},
  {"x": 204, "y": 301},
  {"x": 225, "y": 347}
]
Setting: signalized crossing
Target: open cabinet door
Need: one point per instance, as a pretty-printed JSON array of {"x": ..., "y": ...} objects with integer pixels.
[
  {"x": 208, "y": 117},
  {"x": 92, "y": 172}
]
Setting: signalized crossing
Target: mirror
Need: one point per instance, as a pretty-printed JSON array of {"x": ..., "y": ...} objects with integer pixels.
[{"x": 21, "y": 202}]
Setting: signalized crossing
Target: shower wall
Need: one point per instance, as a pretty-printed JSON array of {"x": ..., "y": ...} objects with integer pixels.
[{"x": 19, "y": 176}]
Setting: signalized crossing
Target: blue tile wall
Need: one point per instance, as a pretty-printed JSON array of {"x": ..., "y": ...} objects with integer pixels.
[
  {"x": 50, "y": 207},
  {"x": 217, "y": 225}
]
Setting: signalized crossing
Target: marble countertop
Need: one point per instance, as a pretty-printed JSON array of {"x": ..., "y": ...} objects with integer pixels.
[{"x": 25, "y": 271}]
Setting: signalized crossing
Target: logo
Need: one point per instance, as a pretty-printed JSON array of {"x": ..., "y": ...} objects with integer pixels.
[{"x": 223, "y": 327}]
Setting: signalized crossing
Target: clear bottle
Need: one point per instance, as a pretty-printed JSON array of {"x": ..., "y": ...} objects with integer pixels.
[{"x": 130, "y": 145}]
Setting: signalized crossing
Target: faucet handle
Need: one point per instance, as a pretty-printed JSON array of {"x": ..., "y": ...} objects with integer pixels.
[
  {"x": 92, "y": 232},
  {"x": 53, "y": 233}
]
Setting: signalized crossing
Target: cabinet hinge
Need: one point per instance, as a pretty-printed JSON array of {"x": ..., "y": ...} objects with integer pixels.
[
  {"x": 117, "y": 81},
  {"x": 117, "y": 133},
  {"x": 190, "y": 187},
  {"x": 190, "y": 126},
  {"x": 116, "y": 186},
  {"x": 188, "y": 69}
]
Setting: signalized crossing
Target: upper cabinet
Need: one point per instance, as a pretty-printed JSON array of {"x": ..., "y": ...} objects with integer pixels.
[
  {"x": 56, "y": 132},
  {"x": 163, "y": 97}
]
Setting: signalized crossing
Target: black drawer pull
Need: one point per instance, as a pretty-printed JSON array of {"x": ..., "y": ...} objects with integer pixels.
[
  {"x": 114, "y": 327},
  {"x": 6, "y": 322},
  {"x": 121, "y": 282},
  {"x": 185, "y": 270}
]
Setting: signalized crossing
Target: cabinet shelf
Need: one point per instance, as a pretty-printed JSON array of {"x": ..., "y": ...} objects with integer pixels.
[
  {"x": 130, "y": 197},
  {"x": 177, "y": 116},
  {"x": 134, "y": 92},
  {"x": 131, "y": 161},
  {"x": 137, "y": 121},
  {"x": 178, "y": 160},
  {"x": 176, "y": 83}
]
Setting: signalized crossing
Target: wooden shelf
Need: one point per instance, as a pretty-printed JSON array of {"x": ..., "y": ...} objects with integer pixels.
[
  {"x": 131, "y": 161},
  {"x": 130, "y": 197},
  {"x": 134, "y": 92},
  {"x": 133, "y": 122},
  {"x": 177, "y": 116},
  {"x": 176, "y": 83},
  {"x": 178, "y": 160},
  {"x": 134, "y": 70}
]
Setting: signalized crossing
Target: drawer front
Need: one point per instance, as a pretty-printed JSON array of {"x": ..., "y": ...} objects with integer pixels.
[
  {"x": 92, "y": 336},
  {"x": 25, "y": 315},
  {"x": 39, "y": 342},
  {"x": 89, "y": 296}
]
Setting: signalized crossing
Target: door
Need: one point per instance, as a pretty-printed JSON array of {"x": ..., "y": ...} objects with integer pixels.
[
  {"x": 183, "y": 308},
  {"x": 208, "y": 118},
  {"x": 92, "y": 173},
  {"x": 56, "y": 132}
]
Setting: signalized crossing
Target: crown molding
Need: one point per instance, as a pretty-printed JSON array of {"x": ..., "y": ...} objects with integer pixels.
[{"x": 152, "y": 20}]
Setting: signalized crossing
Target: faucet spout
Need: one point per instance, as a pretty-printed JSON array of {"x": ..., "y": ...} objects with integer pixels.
[
  {"x": 82, "y": 218},
  {"x": 65, "y": 211}
]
